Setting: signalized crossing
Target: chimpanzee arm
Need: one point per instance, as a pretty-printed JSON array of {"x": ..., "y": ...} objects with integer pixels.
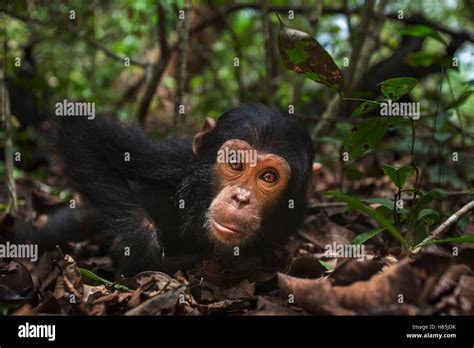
[
  {"x": 127, "y": 149},
  {"x": 96, "y": 167}
]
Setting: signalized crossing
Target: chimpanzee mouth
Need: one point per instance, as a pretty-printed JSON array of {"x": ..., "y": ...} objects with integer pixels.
[{"x": 223, "y": 229}]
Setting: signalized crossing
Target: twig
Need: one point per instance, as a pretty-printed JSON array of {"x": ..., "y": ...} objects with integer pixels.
[
  {"x": 456, "y": 108},
  {"x": 181, "y": 64},
  {"x": 12, "y": 205},
  {"x": 268, "y": 59},
  {"x": 130, "y": 92},
  {"x": 240, "y": 54},
  {"x": 413, "y": 160},
  {"x": 447, "y": 223},
  {"x": 157, "y": 69}
]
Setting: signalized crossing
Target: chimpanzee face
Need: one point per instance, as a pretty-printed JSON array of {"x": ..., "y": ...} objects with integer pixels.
[{"x": 248, "y": 186}]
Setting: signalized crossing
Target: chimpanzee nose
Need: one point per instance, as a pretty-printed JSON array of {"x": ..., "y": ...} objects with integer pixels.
[{"x": 241, "y": 196}]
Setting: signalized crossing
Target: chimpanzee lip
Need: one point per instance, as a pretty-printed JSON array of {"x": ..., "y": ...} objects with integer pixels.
[{"x": 223, "y": 229}]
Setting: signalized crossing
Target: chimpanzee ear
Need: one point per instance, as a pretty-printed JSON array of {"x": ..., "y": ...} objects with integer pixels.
[
  {"x": 316, "y": 170},
  {"x": 207, "y": 127}
]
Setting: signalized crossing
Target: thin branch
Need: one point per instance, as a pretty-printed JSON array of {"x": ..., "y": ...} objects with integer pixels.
[
  {"x": 130, "y": 92},
  {"x": 153, "y": 75},
  {"x": 456, "y": 108},
  {"x": 238, "y": 53},
  {"x": 447, "y": 223},
  {"x": 269, "y": 89},
  {"x": 164, "y": 48},
  {"x": 12, "y": 205},
  {"x": 181, "y": 64}
]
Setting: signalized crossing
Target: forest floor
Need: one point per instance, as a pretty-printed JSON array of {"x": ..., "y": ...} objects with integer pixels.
[{"x": 385, "y": 281}]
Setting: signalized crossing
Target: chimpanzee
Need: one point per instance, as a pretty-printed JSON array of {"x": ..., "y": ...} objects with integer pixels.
[{"x": 243, "y": 181}]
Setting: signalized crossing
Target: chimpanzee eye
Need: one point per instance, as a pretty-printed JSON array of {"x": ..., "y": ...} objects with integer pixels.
[
  {"x": 269, "y": 176},
  {"x": 237, "y": 166}
]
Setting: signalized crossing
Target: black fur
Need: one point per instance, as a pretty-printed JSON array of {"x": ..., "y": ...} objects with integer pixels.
[{"x": 137, "y": 201}]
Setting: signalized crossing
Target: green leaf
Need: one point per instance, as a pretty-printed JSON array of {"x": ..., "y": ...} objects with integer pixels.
[
  {"x": 364, "y": 237},
  {"x": 419, "y": 30},
  {"x": 427, "y": 212},
  {"x": 304, "y": 55},
  {"x": 397, "y": 87},
  {"x": 465, "y": 96},
  {"x": 92, "y": 279},
  {"x": 365, "y": 108},
  {"x": 453, "y": 240},
  {"x": 388, "y": 203},
  {"x": 385, "y": 212},
  {"x": 422, "y": 59},
  {"x": 355, "y": 203},
  {"x": 423, "y": 202},
  {"x": 428, "y": 217},
  {"x": 353, "y": 173},
  {"x": 443, "y": 137},
  {"x": 365, "y": 135},
  {"x": 326, "y": 265},
  {"x": 399, "y": 176}
]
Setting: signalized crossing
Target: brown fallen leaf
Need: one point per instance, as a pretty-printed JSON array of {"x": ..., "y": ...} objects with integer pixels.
[
  {"x": 98, "y": 309},
  {"x": 315, "y": 296},
  {"x": 70, "y": 287},
  {"x": 225, "y": 306},
  {"x": 15, "y": 277},
  {"x": 449, "y": 280},
  {"x": 92, "y": 293},
  {"x": 398, "y": 283},
  {"x": 306, "y": 267},
  {"x": 42, "y": 269},
  {"x": 243, "y": 290},
  {"x": 351, "y": 270},
  {"x": 321, "y": 231},
  {"x": 465, "y": 294},
  {"x": 50, "y": 305},
  {"x": 158, "y": 305}
]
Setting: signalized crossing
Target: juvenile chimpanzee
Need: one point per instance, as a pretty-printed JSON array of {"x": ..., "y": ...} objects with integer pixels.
[{"x": 241, "y": 182}]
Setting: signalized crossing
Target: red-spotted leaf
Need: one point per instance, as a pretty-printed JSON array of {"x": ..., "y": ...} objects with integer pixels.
[
  {"x": 365, "y": 107},
  {"x": 304, "y": 55},
  {"x": 365, "y": 135}
]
